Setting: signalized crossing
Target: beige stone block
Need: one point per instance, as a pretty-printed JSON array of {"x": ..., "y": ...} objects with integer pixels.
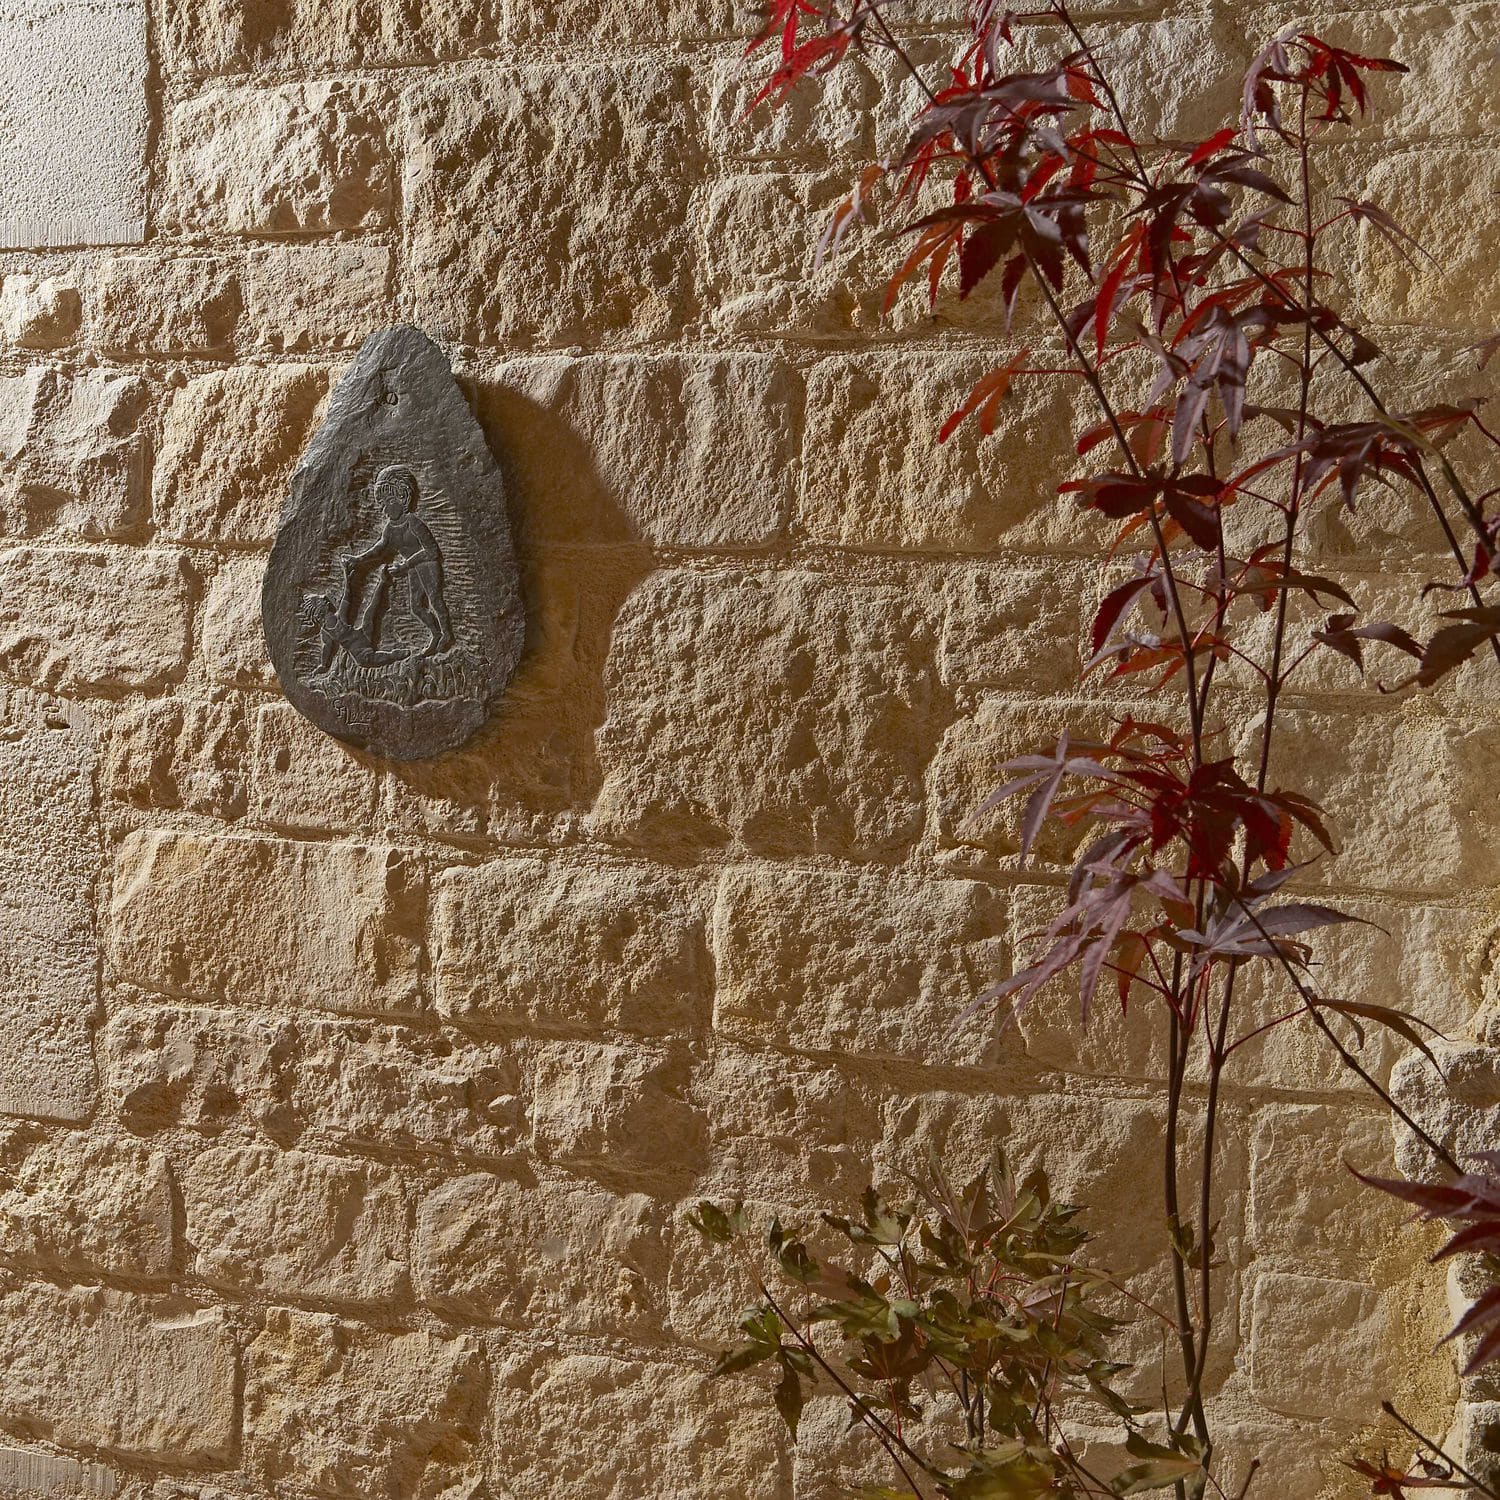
[
  {"x": 831, "y": 117},
  {"x": 79, "y": 1205},
  {"x": 1051, "y": 1028},
  {"x": 1408, "y": 795},
  {"x": 141, "y": 304},
  {"x": 1449, "y": 51},
  {"x": 201, "y": 1068},
  {"x": 874, "y": 964},
  {"x": 49, "y": 860},
  {"x": 386, "y": 1086},
  {"x": 1006, "y": 626},
  {"x": 614, "y": 1105},
  {"x": 497, "y": 166},
  {"x": 75, "y": 451},
  {"x": 1427, "y": 960},
  {"x": 1178, "y": 78},
  {"x": 672, "y": 1432},
  {"x": 1457, "y": 1103},
  {"x": 630, "y": 22},
  {"x": 238, "y": 36},
  {"x": 179, "y": 753},
  {"x": 91, "y": 1368},
  {"x": 303, "y": 778},
  {"x": 324, "y": 296},
  {"x": 967, "y": 769},
  {"x": 1475, "y": 1439},
  {"x": 229, "y": 444},
  {"x": 786, "y": 1126},
  {"x": 673, "y": 450},
  {"x": 1433, "y": 192},
  {"x": 1304, "y": 1200},
  {"x": 295, "y": 159},
  {"x": 960, "y": 1130},
  {"x": 877, "y": 477},
  {"x": 78, "y": 617},
  {"x": 543, "y": 1255},
  {"x": 553, "y": 944},
  {"x": 783, "y": 710},
  {"x": 1344, "y": 1367},
  {"x": 50, "y": 1475},
  {"x": 233, "y": 646},
  {"x": 834, "y": 1459},
  {"x": 336, "y": 927},
  {"x": 350, "y": 1411},
  {"x": 296, "y": 1223},
  {"x": 39, "y": 312},
  {"x": 708, "y": 1288}
]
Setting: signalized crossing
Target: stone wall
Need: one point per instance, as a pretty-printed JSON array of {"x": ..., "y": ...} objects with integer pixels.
[{"x": 350, "y": 1109}]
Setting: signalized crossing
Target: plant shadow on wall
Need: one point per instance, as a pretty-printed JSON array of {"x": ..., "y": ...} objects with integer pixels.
[
  {"x": 1192, "y": 291},
  {"x": 535, "y": 761}
]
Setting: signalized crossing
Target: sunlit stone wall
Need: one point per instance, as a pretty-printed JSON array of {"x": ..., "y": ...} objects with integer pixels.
[{"x": 350, "y": 1109}]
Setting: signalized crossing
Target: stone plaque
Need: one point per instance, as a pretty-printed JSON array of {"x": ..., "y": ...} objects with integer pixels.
[{"x": 392, "y": 602}]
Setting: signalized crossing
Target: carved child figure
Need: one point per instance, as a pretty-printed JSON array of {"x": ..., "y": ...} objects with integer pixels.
[{"x": 406, "y": 547}]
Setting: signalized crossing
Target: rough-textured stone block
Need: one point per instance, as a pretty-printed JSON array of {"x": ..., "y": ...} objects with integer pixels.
[
  {"x": 148, "y": 305},
  {"x": 832, "y": 117},
  {"x": 1447, "y": 93},
  {"x": 330, "y": 926},
  {"x": 783, "y": 710},
  {"x": 298, "y": 159},
  {"x": 240, "y": 36},
  {"x": 49, "y": 853},
  {"x": 229, "y": 444},
  {"x": 375, "y": 1085},
  {"x": 1428, "y": 960},
  {"x": 696, "y": 451},
  {"x": 349, "y": 1411},
  {"x": 858, "y": 963},
  {"x": 82, "y": 1205},
  {"x": 94, "y": 1368},
  {"x": 568, "y": 945},
  {"x": 1303, "y": 1199},
  {"x": 54, "y": 1477},
  {"x": 292, "y": 1222},
  {"x": 303, "y": 778},
  {"x": 73, "y": 153},
  {"x": 179, "y": 752},
  {"x": 75, "y": 451},
  {"x": 671, "y": 1432},
  {"x": 966, "y": 770},
  {"x": 1408, "y": 795},
  {"x": 784, "y": 1126},
  {"x": 1457, "y": 1103},
  {"x": 39, "y": 312},
  {"x": 543, "y": 1255},
  {"x": 876, "y": 476},
  {"x": 1006, "y": 626},
  {"x": 598, "y": 1104},
  {"x": 200, "y": 1068},
  {"x": 1433, "y": 192},
  {"x": 497, "y": 165},
  {"x": 306, "y": 297},
  {"x": 233, "y": 648},
  {"x": 1344, "y": 1368},
  {"x": 76, "y": 618}
]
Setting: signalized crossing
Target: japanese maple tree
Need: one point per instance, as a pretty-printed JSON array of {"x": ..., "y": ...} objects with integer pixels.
[{"x": 1208, "y": 265}]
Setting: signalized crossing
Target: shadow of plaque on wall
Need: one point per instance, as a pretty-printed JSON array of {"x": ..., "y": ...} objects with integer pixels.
[{"x": 392, "y": 601}]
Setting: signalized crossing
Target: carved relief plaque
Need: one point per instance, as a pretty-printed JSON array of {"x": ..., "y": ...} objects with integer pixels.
[{"x": 392, "y": 602}]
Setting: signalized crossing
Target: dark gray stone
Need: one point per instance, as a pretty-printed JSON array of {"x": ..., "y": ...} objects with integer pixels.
[{"x": 392, "y": 602}]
